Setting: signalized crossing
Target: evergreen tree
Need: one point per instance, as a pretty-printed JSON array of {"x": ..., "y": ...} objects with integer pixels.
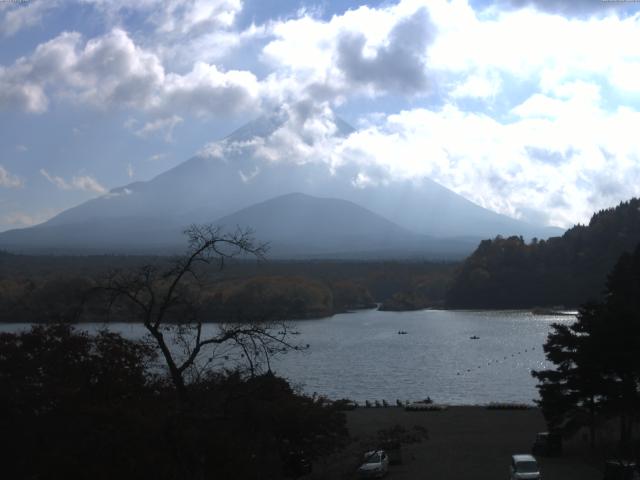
[
  {"x": 597, "y": 366},
  {"x": 571, "y": 394}
]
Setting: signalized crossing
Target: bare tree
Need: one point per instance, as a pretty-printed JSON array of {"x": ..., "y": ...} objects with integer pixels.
[{"x": 167, "y": 302}]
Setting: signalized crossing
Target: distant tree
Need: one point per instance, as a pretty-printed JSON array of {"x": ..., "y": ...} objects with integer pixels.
[
  {"x": 167, "y": 302},
  {"x": 597, "y": 367}
]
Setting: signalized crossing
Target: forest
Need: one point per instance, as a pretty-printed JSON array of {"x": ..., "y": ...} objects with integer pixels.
[
  {"x": 561, "y": 271},
  {"x": 41, "y": 289}
]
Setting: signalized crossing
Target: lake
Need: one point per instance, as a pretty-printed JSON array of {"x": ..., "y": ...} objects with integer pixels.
[{"x": 361, "y": 356}]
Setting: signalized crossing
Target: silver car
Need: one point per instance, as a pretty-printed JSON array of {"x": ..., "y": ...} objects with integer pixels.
[
  {"x": 524, "y": 467},
  {"x": 376, "y": 464}
]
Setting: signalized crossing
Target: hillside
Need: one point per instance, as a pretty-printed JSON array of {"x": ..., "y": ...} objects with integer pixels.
[
  {"x": 567, "y": 270},
  {"x": 299, "y": 225},
  {"x": 145, "y": 217}
]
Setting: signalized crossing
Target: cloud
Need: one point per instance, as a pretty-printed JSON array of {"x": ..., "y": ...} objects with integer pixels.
[
  {"x": 18, "y": 95},
  {"x": 157, "y": 156},
  {"x": 517, "y": 166},
  {"x": 20, "y": 218},
  {"x": 366, "y": 51},
  {"x": 398, "y": 65},
  {"x": 8, "y": 180},
  {"x": 80, "y": 182},
  {"x": 173, "y": 17},
  {"x": 566, "y": 7},
  {"x": 552, "y": 157},
  {"x": 549, "y": 140},
  {"x": 206, "y": 90},
  {"x": 182, "y": 17},
  {"x": 558, "y": 164},
  {"x": 15, "y": 16},
  {"x": 297, "y": 134},
  {"x": 111, "y": 71},
  {"x": 162, "y": 126},
  {"x": 530, "y": 46},
  {"x": 478, "y": 85}
]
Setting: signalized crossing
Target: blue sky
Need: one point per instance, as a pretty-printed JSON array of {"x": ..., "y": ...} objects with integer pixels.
[{"x": 528, "y": 108}]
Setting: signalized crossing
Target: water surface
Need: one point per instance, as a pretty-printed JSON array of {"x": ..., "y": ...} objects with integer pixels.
[{"x": 361, "y": 356}]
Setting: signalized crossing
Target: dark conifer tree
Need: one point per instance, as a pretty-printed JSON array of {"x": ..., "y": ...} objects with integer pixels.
[{"x": 597, "y": 366}]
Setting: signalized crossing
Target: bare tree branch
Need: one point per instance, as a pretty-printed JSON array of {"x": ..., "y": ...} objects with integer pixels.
[{"x": 170, "y": 298}]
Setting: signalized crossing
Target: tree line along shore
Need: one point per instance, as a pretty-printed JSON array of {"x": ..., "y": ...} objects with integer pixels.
[{"x": 503, "y": 273}]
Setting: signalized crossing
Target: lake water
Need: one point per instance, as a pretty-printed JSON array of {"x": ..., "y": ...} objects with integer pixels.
[{"x": 361, "y": 356}]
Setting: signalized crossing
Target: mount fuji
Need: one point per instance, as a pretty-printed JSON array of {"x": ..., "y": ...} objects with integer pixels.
[{"x": 237, "y": 181}]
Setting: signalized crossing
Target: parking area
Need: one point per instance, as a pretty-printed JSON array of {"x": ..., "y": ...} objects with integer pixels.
[{"x": 467, "y": 443}]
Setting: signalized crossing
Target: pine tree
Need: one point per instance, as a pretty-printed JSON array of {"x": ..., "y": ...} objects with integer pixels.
[{"x": 596, "y": 359}]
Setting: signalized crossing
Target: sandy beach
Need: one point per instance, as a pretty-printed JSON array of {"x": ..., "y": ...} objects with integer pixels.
[{"x": 463, "y": 443}]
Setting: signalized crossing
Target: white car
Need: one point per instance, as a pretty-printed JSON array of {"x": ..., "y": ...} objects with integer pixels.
[
  {"x": 376, "y": 464},
  {"x": 524, "y": 467}
]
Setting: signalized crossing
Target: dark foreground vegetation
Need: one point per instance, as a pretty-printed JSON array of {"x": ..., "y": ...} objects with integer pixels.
[
  {"x": 76, "y": 406},
  {"x": 567, "y": 270}
]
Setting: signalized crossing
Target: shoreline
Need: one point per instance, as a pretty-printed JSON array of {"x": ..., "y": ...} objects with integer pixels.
[{"x": 378, "y": 308}]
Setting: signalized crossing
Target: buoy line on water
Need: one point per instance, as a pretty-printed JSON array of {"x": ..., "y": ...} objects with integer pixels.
[{"x": 463, "y": 372}]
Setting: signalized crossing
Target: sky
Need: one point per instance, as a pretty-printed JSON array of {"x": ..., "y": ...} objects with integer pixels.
[{"x": 529, "y": 108}]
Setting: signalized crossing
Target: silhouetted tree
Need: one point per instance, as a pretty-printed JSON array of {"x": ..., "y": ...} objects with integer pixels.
[
  {"x": 619, "y": 337},
  {"x": 168, "y": 300},
  {"x": 572, "y": 393},
  {"x": 597, "y": 367}
]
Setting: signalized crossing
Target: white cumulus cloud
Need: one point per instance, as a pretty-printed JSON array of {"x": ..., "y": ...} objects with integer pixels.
[
  {"x": 8, "y": 180},
  {"x": 112, "y": 71},
  {"x": 161, "y": 126},
  {"x": 77, "y": 182}
]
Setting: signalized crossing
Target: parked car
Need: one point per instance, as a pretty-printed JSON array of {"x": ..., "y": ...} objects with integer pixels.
[
  {"x": 621, "y": 470},
  {"x": 547, "y": 444},
  {"x": 524, "y": 467},
  {"x": 376, "y": 464}
]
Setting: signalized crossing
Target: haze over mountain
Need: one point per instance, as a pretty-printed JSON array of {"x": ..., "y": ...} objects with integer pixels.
[
  {"x": 256, "y": 164},
  {"x": 301, "y": 225}
]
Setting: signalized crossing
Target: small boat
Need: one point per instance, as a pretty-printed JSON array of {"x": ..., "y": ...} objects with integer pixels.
[
  {"x": 474, "y": 337},
  {"x": 402, "y": 332}
]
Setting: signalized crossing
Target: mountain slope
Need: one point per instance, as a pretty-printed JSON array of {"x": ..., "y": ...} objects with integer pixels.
[
  {"x": 567, "y": 270},
  {"x": 298, "y": 224},
  {"x": 235, "y": 174}
]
